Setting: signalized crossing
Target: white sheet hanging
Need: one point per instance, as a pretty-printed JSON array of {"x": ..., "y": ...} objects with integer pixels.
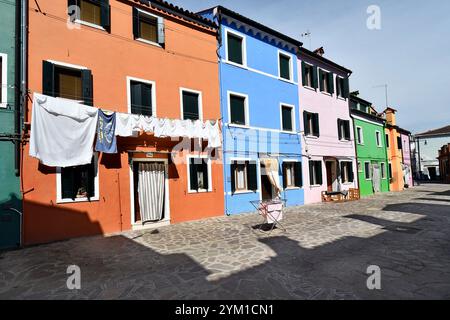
[
  {"x": 151, "y": 191},
  {"x": 127, "y": 125},
  {"x": 62, "y": 131}
]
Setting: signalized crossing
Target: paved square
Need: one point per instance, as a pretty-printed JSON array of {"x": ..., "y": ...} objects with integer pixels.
[{"x": 324, "y": 254}]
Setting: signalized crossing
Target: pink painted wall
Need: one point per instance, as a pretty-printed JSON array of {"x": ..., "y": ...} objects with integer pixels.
[
  {"x": 330, "y": 108},
  {"x": 407, "y": 157}
]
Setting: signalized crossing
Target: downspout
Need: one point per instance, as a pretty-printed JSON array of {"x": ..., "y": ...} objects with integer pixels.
[
  {"x": 24, "y": 64},
  {"x": 17, "y": 91}
]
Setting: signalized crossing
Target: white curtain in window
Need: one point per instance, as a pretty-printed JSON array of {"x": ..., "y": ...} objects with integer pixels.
[
  {"x": 376, "y": 178},
  {"x": 151, "y": 191}
]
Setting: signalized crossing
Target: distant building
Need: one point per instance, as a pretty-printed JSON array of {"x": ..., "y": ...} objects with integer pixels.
[
  {"x": 427, "y": 146},
  {"x": 444, "y": 163}
]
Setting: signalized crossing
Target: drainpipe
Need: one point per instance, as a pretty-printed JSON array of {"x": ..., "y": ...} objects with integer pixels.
[
  {"x": 17, "y": 96},
  {"x": 24, "y": 64}
]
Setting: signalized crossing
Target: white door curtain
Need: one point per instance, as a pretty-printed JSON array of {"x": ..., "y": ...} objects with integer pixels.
[
  {"x": 63, "y": 131},
  {"x": 151, "y": 191},
  {"x": 271, "y": 168}
]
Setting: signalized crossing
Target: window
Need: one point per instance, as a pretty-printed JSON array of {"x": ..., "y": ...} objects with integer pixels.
[
  {"x": 285, "y": 71},
  {"x": 3, "y": 80},
  {"x": 360, "y": 169},
  {"x": 399, "y": 143},
  {"x": 326, "y": 82},
  {"x": 387, "y": 140},
  {"x": 148, "y": 27},
  {"x": 142, "y": 97},
  {"x": 287, "y": 118},
  {"x": 191, "y": 104},
  {"x": 315, "y": 173},
  {"x": 390, "y": 171},
  {"x": 344, "y": 129},
  {"x": 243, "y": 176},
  {"x": 235, "y": 48},
  {"x": 383, "y": 170},
  {"x": 238, "y": 109},
  {"x": 199, "y": 174},
  {"x": 378, "y": 138},
  {"x": 91, "y": 12},
  {"x": 309, "y": 75},
  {"x": 368, "y": 171},
  {"x": 67, "y": 82},
  {"x": 359, "y": 135},
  {"x": 292, "y": 175},
  {"x": 342, "y": 89},
  {"x": 78, "y": 183},
  {"x": 311, "y": 123},
  {"x": 347, "y": 172}
]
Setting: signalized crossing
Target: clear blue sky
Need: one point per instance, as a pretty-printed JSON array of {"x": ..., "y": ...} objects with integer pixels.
[{"x": 411, "y": 52}]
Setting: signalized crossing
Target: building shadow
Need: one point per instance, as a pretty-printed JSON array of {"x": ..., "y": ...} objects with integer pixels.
[{"x": 434, "y": 199}]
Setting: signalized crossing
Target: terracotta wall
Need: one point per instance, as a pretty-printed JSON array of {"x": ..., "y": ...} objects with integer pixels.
[
  {"x": 188, "y": 60},
  {"x": 395, "y": 158}
]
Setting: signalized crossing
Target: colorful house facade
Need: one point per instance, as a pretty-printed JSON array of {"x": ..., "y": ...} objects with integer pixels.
[
  {"x": 137, "y": 57},
  {"x": 328, "y": 139},
  {"x": 260, "y": 110},
  {"x": 371, "y": 150},
  {"x": 444, "y": 163},
  {"x": 407, "y": 167},
  {"x": 10, "y": 195},
  {"x": 395, "y": 153}
]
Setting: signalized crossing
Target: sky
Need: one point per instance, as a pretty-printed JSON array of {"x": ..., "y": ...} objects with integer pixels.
[{"x": 410, "y": 53}]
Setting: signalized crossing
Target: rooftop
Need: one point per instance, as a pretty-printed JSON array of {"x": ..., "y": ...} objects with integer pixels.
[{"x": 435, "y": 132}]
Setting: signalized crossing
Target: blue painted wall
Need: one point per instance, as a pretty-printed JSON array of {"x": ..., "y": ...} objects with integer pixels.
[{"x": 266, "y": 92}]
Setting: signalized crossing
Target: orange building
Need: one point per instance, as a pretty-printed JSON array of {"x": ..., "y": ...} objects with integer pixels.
[
  {"x": 395, "y": 155},
  {"x": 129, "y": 56}
]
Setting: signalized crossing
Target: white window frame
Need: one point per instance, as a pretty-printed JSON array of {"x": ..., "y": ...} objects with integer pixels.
[
  {"x": 359, "y": 139},
  {"x": 318, "y": 79},
  {"x": 282, "y": 173},
  {"x": 370, "y": 171},
  {"x": 384, "y": 174},
  {"x": 86, "y": 23},
  {"x": 360, "y": 167},
  {"x": 246, "y": 111},
  {"x": 152, "y": 83},
  {"x": 336, "y": 89},
  {"x": 200, "y": 102},
  {"x": 96, "y": 197},
  {"x": 312, "y": 79},
  {"x": 244, "y": 160},
  {"x": 291, "y": 66},
  {"x": 378, "y": 139},
  {"x": 157, "y": 28},
  {"x": 4, "y": 88},
  {"x": 292, "y": 107},
  {"x": 244, "y": 48},
  {"x": 314, "y": 172},
  {"x": 208, "y": 163},
  {"x": 348, "y": 163}
]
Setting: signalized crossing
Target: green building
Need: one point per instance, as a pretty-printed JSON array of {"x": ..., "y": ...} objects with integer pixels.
[
  {"x": 371, "y": 148},
  {"x": 10, "y": 196}
]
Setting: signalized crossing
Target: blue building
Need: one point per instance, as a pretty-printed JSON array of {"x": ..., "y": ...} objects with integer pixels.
[{"x": 260, "y": 111}]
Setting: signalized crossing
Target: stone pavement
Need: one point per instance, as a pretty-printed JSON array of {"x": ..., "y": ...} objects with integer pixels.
[{"x": 324, "y": 254}]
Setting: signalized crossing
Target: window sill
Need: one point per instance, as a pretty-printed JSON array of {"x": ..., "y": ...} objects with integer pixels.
[
  {"x": 315, "y": 186},
  {"x": 286, "y": 80},
  {"x": 3, "y": 105},
  {"x": 326, "y": 93},
  {"x": 344, "y": 140},
  {"x": 89, "y": 24},
  {"x": 341, "y": 98},
  {"x": 242, "y": 66},
  {"x": 243, "y": 192},
  {"x": 312, "y": 137},
  {"x": 199, "y": 191},
  {"x": 78, "y": 200},
  {"x": 239, "y": 126},
  {"x": 288, "y": 132},
  {"x": 149, "y": 42},
  {"x": 310, "y": 88},
  {"x": 292, "y": 188},
  {"x": 347, "y": 183}
]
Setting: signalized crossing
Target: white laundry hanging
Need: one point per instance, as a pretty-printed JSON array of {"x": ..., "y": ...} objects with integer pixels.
[
  {"x": 62, "y": 131},
  {"x": 127, "y": 125}
]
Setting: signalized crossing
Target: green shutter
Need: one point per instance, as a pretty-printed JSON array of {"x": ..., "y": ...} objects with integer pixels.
[
  {"x": 316, "y": 129},
  {"x": 190, "y": 106},
  {"x": 136, "y": 97},
  {"x": 306, "y": 126},
  {"x": 347, "y": 129},
  {"x": 350, "y": 173},
  {"x": 146, "y": 99},
  {"x": 204, "y": 166},
  {"x": 346, "y": 91},
  {"x": 286, "y": 115},
  {"x": 304, "y": 73},
  {"x": 331, "y": 82},
  {"x": 193, "y": 175},
  {"x": 251, "y": 176},
  {"x": 311, "y": 173},
  {"x": 314, "y": 77},
  {"x": 285, "y": 67},
  {"x": 135, "y": 23},
  {"x": 233, "y": 172},
  {"x": 48, "y": 78},
  {"x": 298, "y": 174},
  {"x": 235, "y": 49},
  {"x": 86, "y": 83},
  {"x": 105, "y": 15},
  {"x": 319, "y": 172},
  {"x": 237, "y": 110},
  {"x": 90, "y": 188}
]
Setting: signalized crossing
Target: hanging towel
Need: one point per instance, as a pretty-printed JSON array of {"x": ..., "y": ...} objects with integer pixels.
[
  {"x": 106, "y": 138},
  {"x": 147, "y": 124},
  {"x": 127, "y": 125},
  {"x": 213, "y": 132},
  {"x": 62, "y": 131}
]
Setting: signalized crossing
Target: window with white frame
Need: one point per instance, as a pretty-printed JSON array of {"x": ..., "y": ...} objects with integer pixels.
[
  {"x": 347, "y": 172},
  {"x": 359, "y": 135},
  {"x": 141, "y": 96},
  {"x": 344, "y": 129},
  {"x": 148, "y": 27},
  {"x": 238, "y": 109},
  {"x": 243, "y": 176},
  {"x": 3, "y": 80},
  {"x": 309, "y": 75},
  {"x": 235, "y": 48},
  {"x": 326, "y": 83},
  {"x": 79, "y": 183},
  {"x": 315, "y": 173},
  {"x": 378, "y": 138},
  {"x": 90, "y": 12},
  {"x": 383, "y": 170},
  {"x": 287, "y": 118},
  {"x": 191, "y": 104},
  {"x": 199, "y": 170},
  {"x": 368, "y": 170},
  {"x": 285, "y": 66},
  {"x": 292, "y": 174}
]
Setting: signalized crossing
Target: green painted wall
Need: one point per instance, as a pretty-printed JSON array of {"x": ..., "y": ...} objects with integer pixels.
[
  {"x": 369, "y": 151},
  {"x": 10, "y": 196}
]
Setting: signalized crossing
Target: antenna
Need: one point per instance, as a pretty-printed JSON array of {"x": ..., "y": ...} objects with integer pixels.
[
  {"x": 385, "y": 86},
  {"x": 307, "y": 34}
]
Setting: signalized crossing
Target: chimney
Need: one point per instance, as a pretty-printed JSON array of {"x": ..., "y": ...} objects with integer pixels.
[
  {"x": 319, "y": 51},
  {"x": 390, "y": 116}
]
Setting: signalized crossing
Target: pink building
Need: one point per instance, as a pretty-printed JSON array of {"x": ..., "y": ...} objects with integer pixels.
[
  {"x": 406, "y": 153},
  {"x": 329, "y": 163}
]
